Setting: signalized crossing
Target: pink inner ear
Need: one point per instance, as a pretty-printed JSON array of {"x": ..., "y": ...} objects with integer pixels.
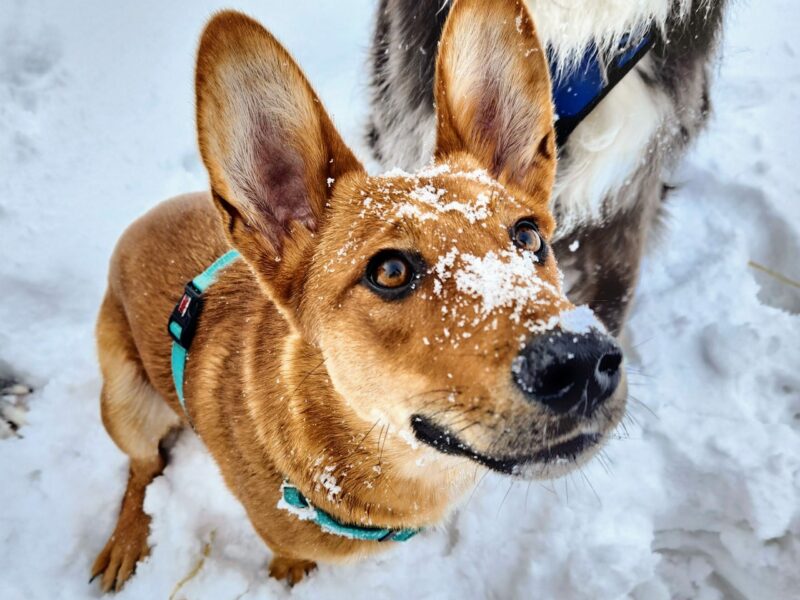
[
  {"x": 507, "y": 134},
  {"x": 487, "y": 126},
  {"x": 276, "y": 185},
  {"x": 495, "y": 130}
]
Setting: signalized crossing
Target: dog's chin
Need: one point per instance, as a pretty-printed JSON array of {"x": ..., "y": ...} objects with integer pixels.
[{"x": 550, "y": 462}]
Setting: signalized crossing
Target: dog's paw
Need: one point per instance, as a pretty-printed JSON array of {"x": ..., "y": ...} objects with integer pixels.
[
  {"x": 125, "y": 548},
  {"x": 290, "y": 569},
  {"x": 13, "y": 406}
]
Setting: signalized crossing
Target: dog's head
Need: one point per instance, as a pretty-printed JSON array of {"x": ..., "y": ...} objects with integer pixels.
[{"x": 434, "y": 298}]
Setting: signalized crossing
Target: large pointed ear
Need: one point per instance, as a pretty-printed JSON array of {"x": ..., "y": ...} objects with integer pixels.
[
  {"x": 269, "y": 147},
  {"x": 493, "y": 95}
]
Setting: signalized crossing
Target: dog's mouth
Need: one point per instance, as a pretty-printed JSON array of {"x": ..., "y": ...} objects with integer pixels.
[{"x": 446, "y": 442}]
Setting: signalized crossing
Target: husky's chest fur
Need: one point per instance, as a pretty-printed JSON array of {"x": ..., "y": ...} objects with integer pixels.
[{"x": 610, "y": 186}]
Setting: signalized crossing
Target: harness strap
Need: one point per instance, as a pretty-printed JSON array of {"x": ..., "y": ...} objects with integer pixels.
[
  {"x": 183, "y": 321},
  {"x": 577, "y": 93}
]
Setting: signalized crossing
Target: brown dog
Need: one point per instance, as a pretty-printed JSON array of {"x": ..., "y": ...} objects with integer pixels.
[{"x": 368, "y": 314}]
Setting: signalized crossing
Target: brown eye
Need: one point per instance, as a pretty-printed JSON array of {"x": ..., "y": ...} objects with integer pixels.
[
  {"x": 391, "y": 274},
  {"x": 526, "y": 236}
]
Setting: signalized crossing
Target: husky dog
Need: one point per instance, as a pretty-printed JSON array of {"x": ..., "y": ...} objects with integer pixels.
[{"x": 614, "y": 167}]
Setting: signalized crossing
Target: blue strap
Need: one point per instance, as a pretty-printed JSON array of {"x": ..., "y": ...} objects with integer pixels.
[
  {"x": 209, "y": 276},
  {"x": 178, "y": 365},
  {"x": 295, "y": 499},
  {"x": 578, "y": 92},
  {"x": 179, "y": 353}
]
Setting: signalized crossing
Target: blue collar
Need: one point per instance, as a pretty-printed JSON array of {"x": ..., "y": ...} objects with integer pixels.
[
  {"x": 182, "y": 327},
  {"x": 577, "y": 93}
]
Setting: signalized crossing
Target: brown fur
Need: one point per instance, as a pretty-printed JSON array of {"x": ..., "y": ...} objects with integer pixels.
[{"x": 298, "y": 370}]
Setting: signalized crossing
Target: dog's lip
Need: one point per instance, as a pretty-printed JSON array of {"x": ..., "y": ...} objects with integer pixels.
[{"x": 447, "y": 442}]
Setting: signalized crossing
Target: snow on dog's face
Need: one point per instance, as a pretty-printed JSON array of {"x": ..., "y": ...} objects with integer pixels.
[
  {"x": 434, "y": 298},
  {"x": 437, "y": 303}
]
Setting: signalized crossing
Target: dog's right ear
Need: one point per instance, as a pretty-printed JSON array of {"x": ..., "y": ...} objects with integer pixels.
[
  {"x": 493, "y": 95},
  {"x": 270, "y": 149}
]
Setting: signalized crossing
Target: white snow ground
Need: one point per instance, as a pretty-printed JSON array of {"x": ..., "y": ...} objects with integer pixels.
[{"x": 701, "y": 498}]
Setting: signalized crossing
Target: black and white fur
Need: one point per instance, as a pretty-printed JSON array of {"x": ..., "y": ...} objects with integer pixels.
[
  {"x": 13, "y": 404},
  {"x": 612, "y": 170}
]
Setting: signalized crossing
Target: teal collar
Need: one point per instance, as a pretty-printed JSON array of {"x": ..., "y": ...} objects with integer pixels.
[
  {"x": 182, "y": 327},
  {"x": 293, "y": 501}
]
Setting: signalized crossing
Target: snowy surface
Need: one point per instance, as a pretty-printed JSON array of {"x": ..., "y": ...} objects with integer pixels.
[{"x": 700, "y": 498}]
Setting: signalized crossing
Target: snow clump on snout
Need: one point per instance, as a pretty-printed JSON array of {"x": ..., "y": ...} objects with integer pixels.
[
  {"x": 503, "y": 279},
  {"x": 506, "y": 279}
]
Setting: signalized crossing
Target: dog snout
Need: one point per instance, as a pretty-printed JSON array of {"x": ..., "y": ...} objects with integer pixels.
[{"x": 566, "y": 371}]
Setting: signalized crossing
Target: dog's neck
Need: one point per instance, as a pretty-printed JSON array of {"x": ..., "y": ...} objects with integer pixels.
[{"x": 365, "y": 473}]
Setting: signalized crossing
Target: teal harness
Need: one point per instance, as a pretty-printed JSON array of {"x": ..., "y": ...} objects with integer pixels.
[
  {"x": 183, "y": 321},
  {"x": 182, "y": 327}
]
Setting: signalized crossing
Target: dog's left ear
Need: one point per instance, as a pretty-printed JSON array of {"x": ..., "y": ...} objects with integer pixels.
[
  {"x": 493, "y": 94},
  {"x": 270, "y": 149}
]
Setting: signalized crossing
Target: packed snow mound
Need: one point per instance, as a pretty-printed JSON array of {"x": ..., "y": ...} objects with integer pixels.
[{"x": 697, "y": 497}]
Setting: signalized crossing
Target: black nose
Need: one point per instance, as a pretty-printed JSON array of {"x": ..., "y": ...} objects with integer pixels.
[{"x": 564, "y": 370}]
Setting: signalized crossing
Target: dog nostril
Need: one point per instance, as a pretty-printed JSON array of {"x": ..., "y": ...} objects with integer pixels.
[
  {"x": 557, "y": 379},
  {"x": 609, "y": 364}
]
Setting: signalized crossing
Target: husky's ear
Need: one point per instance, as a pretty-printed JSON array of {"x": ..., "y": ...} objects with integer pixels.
[
  {"x": 269, "y": 147},
  {"x": 493, "y": 94}
]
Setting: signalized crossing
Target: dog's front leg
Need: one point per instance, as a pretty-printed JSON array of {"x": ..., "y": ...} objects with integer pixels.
[
  {"x": 138, "y": 420},
  {"x": 128, "y": 544}
]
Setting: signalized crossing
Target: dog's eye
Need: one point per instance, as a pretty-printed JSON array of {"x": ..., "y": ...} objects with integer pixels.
[
  {"x": 390, "y": 273},
  {"x": 526, "y": 236}
]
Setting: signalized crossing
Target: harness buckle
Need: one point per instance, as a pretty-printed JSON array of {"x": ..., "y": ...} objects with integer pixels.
[{"x": 183, "y": 320}]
